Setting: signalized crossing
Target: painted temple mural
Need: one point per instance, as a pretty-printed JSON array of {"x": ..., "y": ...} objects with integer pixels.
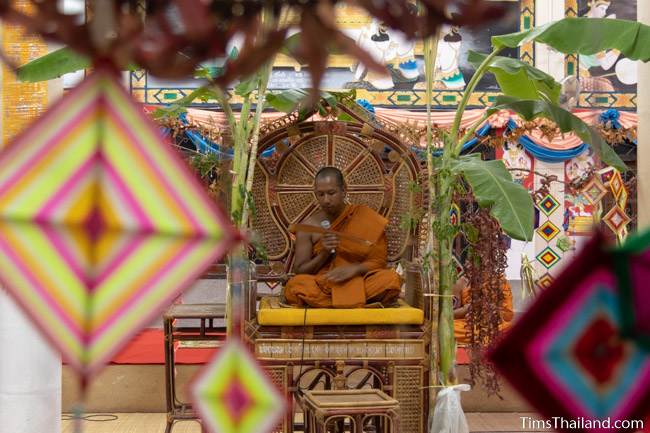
[
  {"x": 404, "y": 85},
  {"x": 607, "y": 79}
]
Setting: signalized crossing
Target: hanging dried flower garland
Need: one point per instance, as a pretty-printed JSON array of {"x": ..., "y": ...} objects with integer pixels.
[{"x": 178, "y": 35}]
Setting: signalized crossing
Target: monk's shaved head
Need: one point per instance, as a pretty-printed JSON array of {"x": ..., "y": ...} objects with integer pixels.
[{"x": 330, "y": 172}]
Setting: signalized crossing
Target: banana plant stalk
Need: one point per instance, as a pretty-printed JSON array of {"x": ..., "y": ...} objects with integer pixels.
[
  {"x": 430, "y": 55},
  {"x": 245, "y": 137}
]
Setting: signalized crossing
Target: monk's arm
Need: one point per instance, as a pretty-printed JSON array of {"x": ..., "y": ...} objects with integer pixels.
[
  {"x": 304, "y": 263},
  {"x": 376, "y": 259},
  {"x": 377, "y": 256}
]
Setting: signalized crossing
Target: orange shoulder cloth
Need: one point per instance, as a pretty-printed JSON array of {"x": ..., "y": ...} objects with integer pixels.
[{"x": 362, "y": 222}]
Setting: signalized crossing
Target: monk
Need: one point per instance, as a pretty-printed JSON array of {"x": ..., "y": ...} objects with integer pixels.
[
  {"x": 462, "y": 292},
  {"x": 336, "y": 272}
]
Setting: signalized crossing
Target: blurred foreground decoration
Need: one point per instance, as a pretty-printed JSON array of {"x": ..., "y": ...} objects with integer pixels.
[
  {"x": 174, "y": 37},
  {"x": 569, "y": 355},
  {"x": 633, "y": 269},
  {"x": 101, "y": 224},
  {"x": 234, "y": 395}
]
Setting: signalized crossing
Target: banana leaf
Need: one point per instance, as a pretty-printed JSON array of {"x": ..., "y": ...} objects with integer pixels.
[
  {"x": 519, "y": 79},
  {"x": 565, "y": 121},
  {"x": 509, "y": 202},
  {"x": 586, "y": 36},
  {"x": 52, "y": 65}
]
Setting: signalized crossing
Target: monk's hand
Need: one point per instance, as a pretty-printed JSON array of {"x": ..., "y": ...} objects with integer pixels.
[
  {"x": 342, "y": 273},
  {"x": 330, "y": 242}
]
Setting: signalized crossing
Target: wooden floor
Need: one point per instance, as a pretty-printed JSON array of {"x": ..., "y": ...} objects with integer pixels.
[
  {"x": 155, "y": 423},
  {"x": 131, "y": 423}
]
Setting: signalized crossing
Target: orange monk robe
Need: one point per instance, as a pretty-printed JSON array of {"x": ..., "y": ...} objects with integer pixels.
[
  {"x": 379, "y": 284},
  {"x": 462, "y": 333}
]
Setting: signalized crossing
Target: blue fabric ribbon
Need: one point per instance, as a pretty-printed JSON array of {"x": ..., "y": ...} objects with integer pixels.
[
  {"x": 545, "y": 154},
  {"x": 204, "y": 145},
  {"x": 611, "y": 117},
  {"x": 364, "y": 103},
  {"x": 481, "y": 132}
]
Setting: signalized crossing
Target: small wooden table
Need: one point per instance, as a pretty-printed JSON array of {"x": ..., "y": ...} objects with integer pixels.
[
  {"x": 205, "y": 330},
  {"x": 368, "y": 411}
]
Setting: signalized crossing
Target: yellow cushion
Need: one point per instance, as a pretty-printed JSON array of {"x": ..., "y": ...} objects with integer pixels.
[{"x": 271, "y": 313}]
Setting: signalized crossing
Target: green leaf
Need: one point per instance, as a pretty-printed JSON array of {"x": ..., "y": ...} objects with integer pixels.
[
  {"x": 287, "y": 100},
  {"x": 53, "y": 65},
  {"x": 180, "y": 105},
  {"x": 519, "y": 79},
  {"x": 247, "y": 86},
  {"x": 566, "y": 121},
  {"x": 509, "y": 202},
  {"x": 586, "y": 36},
  {"x": 344, "y": 117},
  {"x": 290, "y": 44}
]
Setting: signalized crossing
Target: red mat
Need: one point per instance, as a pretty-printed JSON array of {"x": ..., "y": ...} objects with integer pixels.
[{"x": 148, "y": 348}]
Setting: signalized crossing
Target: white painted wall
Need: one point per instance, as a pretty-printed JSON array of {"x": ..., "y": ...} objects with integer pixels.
[
  {"x": 30, "y": 370},
  {"x": 548, "y": 60},
  {"x": 30, "y": 375},
  {"x": 643, "y": 109}
]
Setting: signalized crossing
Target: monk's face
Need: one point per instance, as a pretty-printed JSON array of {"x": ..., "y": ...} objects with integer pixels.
[{"x": 330, "y": 195}]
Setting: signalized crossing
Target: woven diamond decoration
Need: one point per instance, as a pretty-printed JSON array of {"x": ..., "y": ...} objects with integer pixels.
[
  {"x": 454, "y": 215},
  {"x": 616, "y": 219},
  {"x": 616, "y": 184},
  {"x": 545, "y": 281},
  {"x": 548, "y": 231},
  {"x": 632, "y": 263},
  {"x": 101, "y": 224},
  {"x": 622, "y": 199},
  {"x": 233, "y": 395},
  {"x": 606, "y": 175},
  {"x": 567, "y": 355},
  {"x": 548, "y": 205},
  {"x": 594, "y": 191},
  {"x": 548, "y": 257}
]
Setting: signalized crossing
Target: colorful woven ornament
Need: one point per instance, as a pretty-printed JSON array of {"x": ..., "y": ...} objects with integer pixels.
[
  {"x": 594, "y": 191},
  {"x": 233, "y": 394},
  {"x": 454, "y": 215},
  {"x": 632, "y": 263},
  {"x": 568, "y": 356},
  {"x": 101, "y": 224},
  {"x": 617, "y": 220},
  {"x": 617, "y": 185},
  {"x": 605, "y": 175}
]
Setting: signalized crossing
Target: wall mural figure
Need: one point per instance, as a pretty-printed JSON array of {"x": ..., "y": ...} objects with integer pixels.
[
  {"x": 391, "y": 48},
  {"x": 607, "y": 71},
  {"x": 398, "y": 54}
]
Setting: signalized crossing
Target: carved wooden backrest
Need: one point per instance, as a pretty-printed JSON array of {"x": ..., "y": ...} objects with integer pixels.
[{"x": 380, "y": 172}]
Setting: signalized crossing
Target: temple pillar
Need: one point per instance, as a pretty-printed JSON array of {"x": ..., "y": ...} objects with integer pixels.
[
  {"x": 549, "y": 61},
  {"x": 643, "y": 148}
]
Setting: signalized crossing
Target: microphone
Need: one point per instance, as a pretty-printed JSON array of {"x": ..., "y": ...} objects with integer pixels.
[{"x": 326, "y": 225}]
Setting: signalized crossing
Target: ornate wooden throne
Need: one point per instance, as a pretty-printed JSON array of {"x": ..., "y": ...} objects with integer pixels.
[{"x": 379, "y": 348}]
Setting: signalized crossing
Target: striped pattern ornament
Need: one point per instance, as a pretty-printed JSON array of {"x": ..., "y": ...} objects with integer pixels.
[
  {"x": 632, "y": 263},
  {"x": 101, "y": 224},
  {"x": 233, "y": 394},
  {"x": 569, "y": 355}
]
